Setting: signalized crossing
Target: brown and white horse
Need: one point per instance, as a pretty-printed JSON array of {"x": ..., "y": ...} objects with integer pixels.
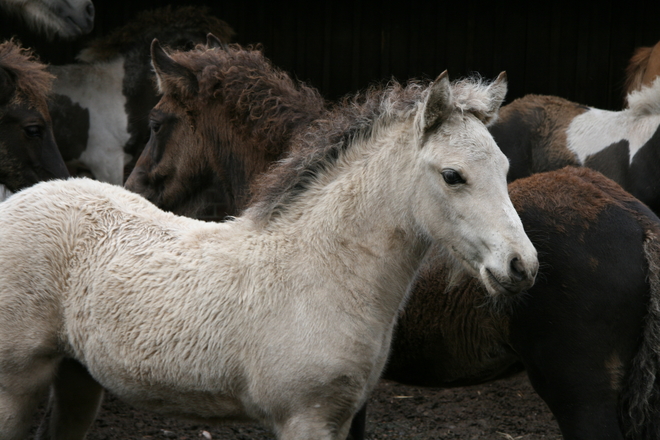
[
  {"x": 542, "y": 133},
  {"x": 28, "y": 153}
]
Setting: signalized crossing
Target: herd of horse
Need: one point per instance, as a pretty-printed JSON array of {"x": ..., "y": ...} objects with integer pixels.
[{"x": 372, "y": 237}]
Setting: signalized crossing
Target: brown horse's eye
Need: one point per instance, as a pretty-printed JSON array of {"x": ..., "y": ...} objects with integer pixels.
[
  {"x": 33, "y": 131},
  {"x": 155, "y": 126},
  {"x": 452, "y": 177}
]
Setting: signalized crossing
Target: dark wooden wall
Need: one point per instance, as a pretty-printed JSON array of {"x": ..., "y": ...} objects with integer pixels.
[{"x": 577, "y": 50}]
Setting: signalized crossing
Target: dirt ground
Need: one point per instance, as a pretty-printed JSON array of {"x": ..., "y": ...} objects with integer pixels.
[{"x": 505, "y": 409}]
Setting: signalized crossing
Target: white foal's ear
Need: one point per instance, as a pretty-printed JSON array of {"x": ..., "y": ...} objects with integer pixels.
[
  {"x": 172, "y": 77},
  {"x": 496, "y": 93},
  {"x": 438, "y": 104}
]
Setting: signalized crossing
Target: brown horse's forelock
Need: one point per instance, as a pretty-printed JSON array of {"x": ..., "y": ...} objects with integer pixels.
[
  {"x": 156, "y": 23},
  {"x": 33, "y": 83}
]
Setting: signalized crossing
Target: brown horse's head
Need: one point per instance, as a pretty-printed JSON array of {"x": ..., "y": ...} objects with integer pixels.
[
  {"x": 226, "y": 113},
  {"x": 28, "y": 153}
]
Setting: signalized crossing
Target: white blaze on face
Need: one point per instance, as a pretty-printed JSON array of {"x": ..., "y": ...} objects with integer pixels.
[
  {"x": 4, "y": 193},
  {"x": 98, "y": 88},
  {"x": 595, "y": 130}
]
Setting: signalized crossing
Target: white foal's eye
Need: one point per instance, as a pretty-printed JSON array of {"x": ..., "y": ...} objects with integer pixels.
[{"x": 452, "y": 177}]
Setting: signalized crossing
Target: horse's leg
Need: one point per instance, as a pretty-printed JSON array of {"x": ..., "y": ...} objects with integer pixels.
[
  {"x": 311, "y": 427},
  {"x": 74, "y": 402},
  {"x": 585, "y": 405},
  {"x": 358, "y": 424},
  {"x": 577, "y": 363},
  {"x": 23, "y": 383}
]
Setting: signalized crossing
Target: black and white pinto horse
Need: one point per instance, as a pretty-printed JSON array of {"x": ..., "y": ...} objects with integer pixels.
[
  {"x": 28, "y": 153},
  {"x": 63, "y": 18},
  {"x": 542, "y": 133},
  {"x": 100, "y": 112}
]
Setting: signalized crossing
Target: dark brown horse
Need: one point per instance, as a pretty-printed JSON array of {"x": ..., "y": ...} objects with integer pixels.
[
  {"x": 28, "y": 153},
  {"x": 226, "y": 114},
  {"x": 585, "y": 332}
]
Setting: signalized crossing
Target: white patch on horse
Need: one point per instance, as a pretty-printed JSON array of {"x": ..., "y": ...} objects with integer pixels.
[
  {"x": 98, "y": 88},
  {"x": 62, "y": 18},
  {"x": 595, "y": 130},
  {"x": 4, "y": 193}
]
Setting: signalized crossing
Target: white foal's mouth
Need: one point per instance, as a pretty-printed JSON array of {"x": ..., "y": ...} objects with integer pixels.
[{"x": 495, "y": 287}]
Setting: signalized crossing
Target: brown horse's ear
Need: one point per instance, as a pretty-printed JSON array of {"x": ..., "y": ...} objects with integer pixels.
[
  {"x": 172, "y": 76},
  {"x": 214, "y": 42},
  {"x": 7, "y": 87},
  {"x": 438, "y": 104}
]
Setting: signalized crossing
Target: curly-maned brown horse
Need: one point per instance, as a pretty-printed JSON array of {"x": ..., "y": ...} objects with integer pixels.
[
  {"x": 28, "y": 152},
  {"x": 585, "y": 332},
  {"x": 241, "y": 117}
]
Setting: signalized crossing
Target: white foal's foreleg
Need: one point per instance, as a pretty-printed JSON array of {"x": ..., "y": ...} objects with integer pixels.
[
  {"x": 303, "y": 427},
  {"x": 22, "y": 386},
  {"x": 74, "y": 401}
]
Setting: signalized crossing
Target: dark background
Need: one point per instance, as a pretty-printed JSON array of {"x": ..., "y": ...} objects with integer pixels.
[{"x": 576, "y": 50}]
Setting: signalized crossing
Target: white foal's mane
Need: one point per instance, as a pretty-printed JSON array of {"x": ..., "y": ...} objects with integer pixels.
[{"x": 355, "y": 119}]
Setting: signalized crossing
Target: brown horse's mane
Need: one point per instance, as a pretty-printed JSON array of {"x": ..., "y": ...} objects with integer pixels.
[
  {"x": 255, "y": 95},
  {"x": 178, "y": 23},
  {"x": 319, "y": 147},
  {"x": 636, "y": 68},
  {"x": 31, "y": 79}
]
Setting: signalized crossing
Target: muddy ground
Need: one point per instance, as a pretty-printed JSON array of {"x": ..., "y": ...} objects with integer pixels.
[{"x": 505, "y": 409}]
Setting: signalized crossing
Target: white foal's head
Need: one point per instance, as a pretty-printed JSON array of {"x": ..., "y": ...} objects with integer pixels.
[{"x": 462, "y": 198}]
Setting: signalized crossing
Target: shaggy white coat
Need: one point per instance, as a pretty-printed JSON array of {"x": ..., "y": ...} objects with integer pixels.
[{"x": 288, "y": 322}]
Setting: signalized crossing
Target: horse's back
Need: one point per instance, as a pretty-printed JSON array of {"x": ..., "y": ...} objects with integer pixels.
[{"x": 531, "y": 132}]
